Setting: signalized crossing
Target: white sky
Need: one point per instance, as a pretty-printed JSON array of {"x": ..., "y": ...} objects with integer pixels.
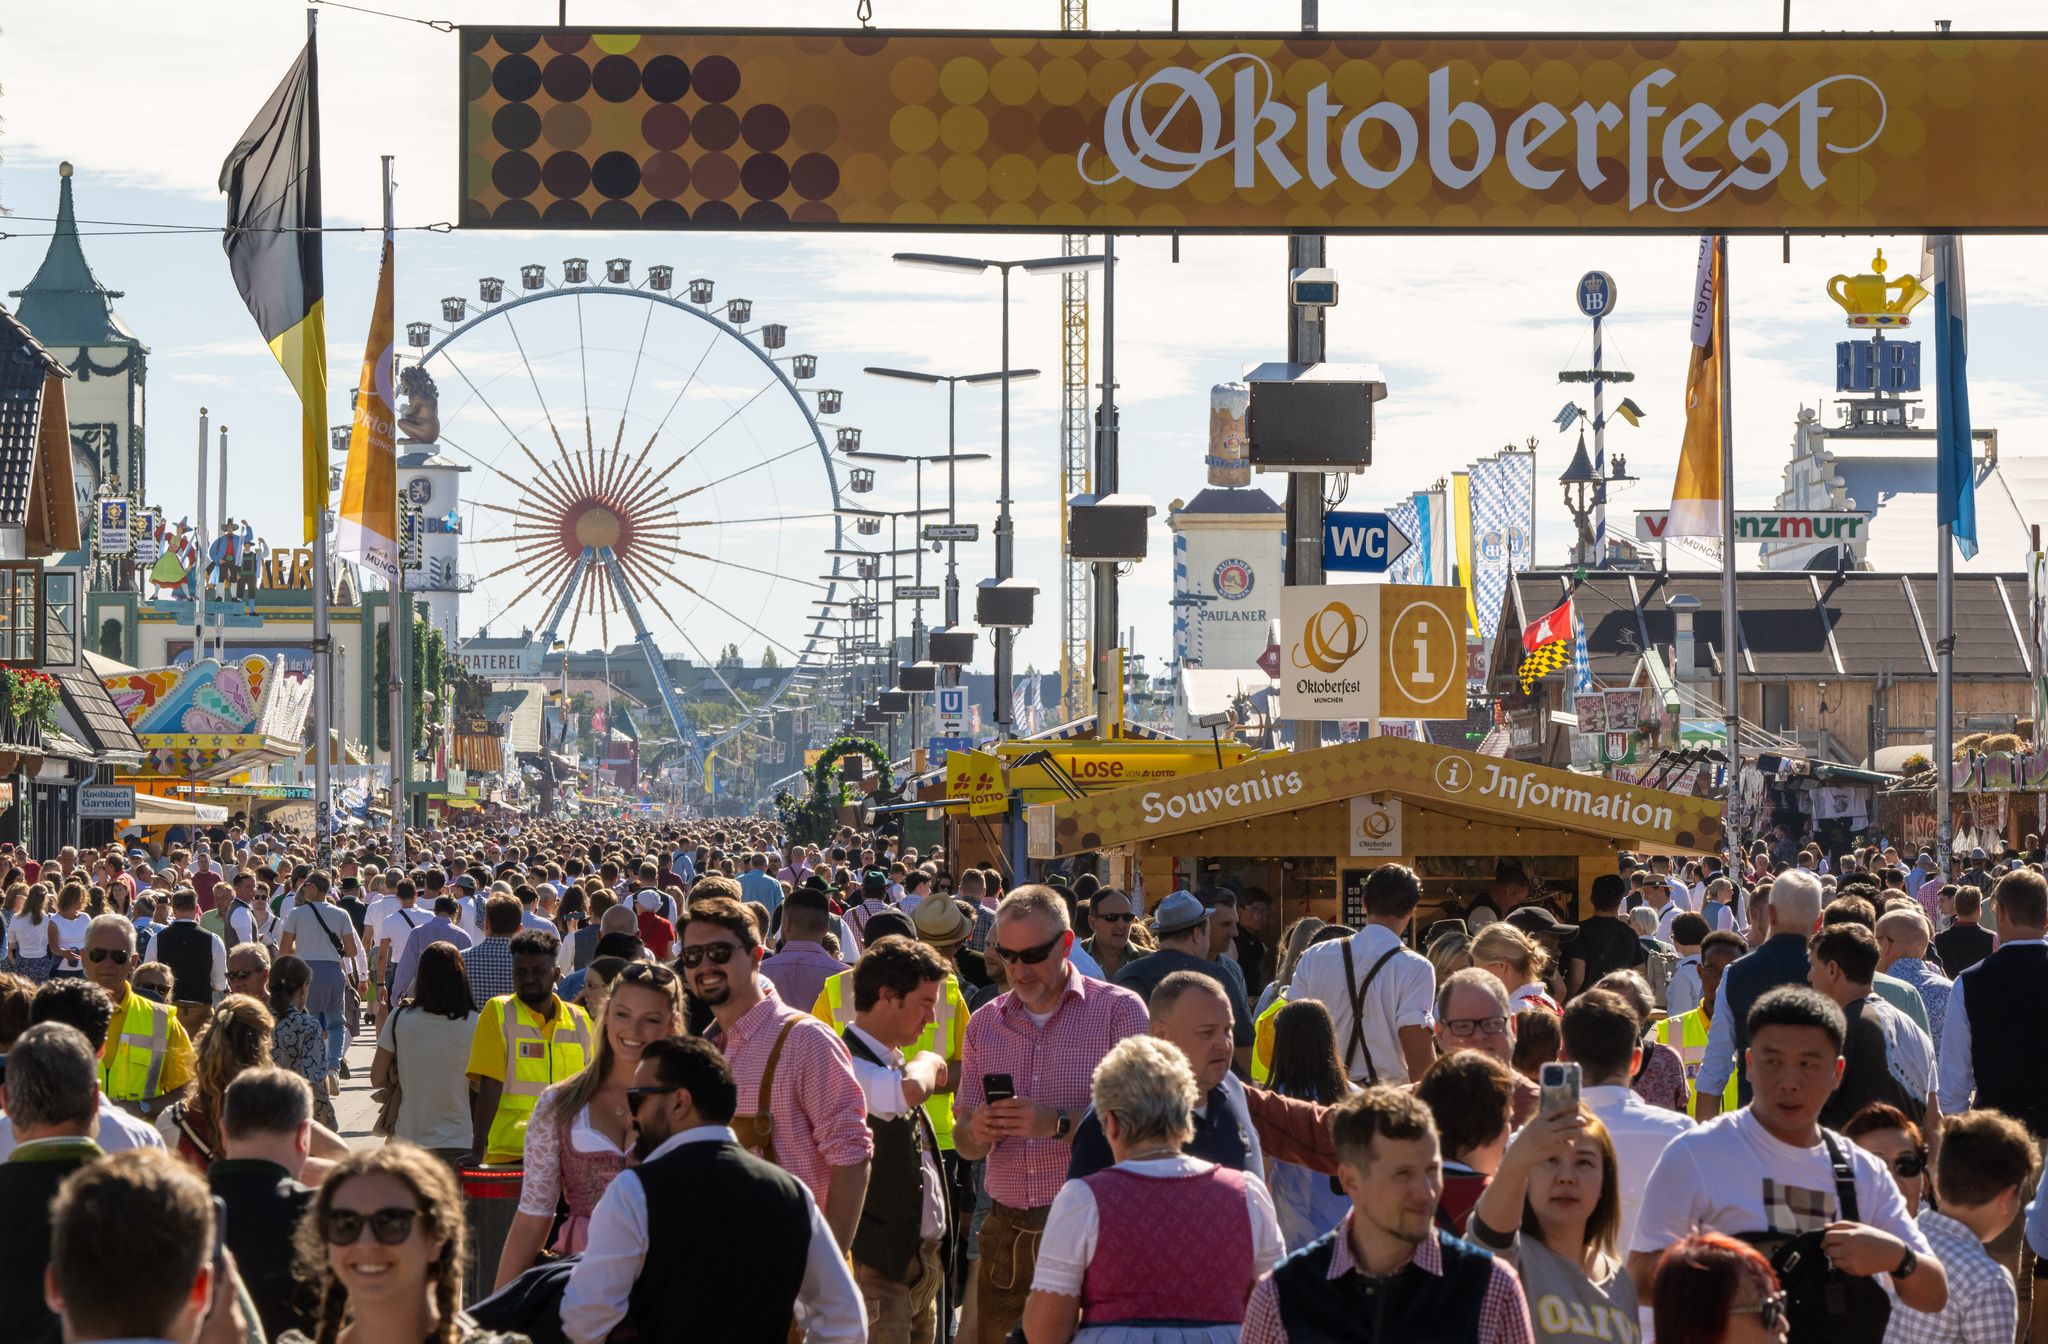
[{"x": 146, "y": 100}]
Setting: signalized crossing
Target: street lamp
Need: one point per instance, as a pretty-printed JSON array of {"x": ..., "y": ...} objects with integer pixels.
[
  {"x": 895, "y": 517},
  {"x": 952, "y": 382},
  {"x": 918, "y": 462},
  {"x": 1005, "y": 537}
]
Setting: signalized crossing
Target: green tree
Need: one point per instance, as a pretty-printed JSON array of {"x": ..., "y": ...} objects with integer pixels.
[
  {"x": 768, "y": 657},
  {"x": 729, "y": 656}
]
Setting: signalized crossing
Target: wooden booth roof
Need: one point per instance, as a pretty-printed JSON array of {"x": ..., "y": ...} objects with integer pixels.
[{"x": 1444, "y": 779}]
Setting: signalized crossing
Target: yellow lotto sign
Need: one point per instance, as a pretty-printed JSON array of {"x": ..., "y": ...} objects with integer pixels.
[
  {"x": 1572, "y": 133},
  {"x": 977, "y": 778},
  {"x": 1095, "y": 766}
]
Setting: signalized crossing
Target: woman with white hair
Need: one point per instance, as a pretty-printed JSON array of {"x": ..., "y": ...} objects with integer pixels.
[{"x": 1099, "y": 1279}]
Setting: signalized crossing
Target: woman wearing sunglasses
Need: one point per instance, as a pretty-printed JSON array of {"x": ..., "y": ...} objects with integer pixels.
[
  {"x": 1883, "y": 1129},
  {"x": 1712, "y": 1289},
  {"x": 383, "y": 1247},
  {"x": 581, "y": 1134}
]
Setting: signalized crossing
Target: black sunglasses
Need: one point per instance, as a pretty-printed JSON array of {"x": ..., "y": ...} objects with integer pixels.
[
  {"x": 636, "y": 1095},
  {"x": 1030, "y": 956},
  {"x": 1115, "y": 919},
  {"x": 661, "y": 977},
  {"x": 155, "y": 993},
  {"x": 119, "y": 955},
  {"x": 692, "y": 957},
  {"x": 343, "y": 1227},
  {"x": 1909, "y": 1165}
]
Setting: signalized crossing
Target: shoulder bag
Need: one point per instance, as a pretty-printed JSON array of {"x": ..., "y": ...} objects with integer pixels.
[{"x": 1823, "y": 1304}]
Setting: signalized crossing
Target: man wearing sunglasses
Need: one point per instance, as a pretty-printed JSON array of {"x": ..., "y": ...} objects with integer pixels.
[
  {"x": 800, "y": 1102},
  {"x": 654, "y": 1255},
  {"x": 148, "y": 1062},
  {"x": 1110, "y": 915},
  {"x": 1043, "y": 1039}
]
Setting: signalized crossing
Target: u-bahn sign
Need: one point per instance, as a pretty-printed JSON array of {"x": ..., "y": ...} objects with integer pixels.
[{"x": 1565, "y": 133}]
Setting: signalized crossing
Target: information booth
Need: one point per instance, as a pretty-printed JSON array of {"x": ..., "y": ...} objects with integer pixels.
[{"x": 1307, "y": 827}]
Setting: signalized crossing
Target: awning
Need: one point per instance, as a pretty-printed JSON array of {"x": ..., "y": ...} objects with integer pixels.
[{"x": 156, "y": 810}]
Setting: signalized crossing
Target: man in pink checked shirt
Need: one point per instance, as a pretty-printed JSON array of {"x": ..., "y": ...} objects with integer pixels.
[
  {"x": 785, "y": 1063},
  {"x": 1387, "y": 1273},
  {"x": 1040, "y": 1042}
]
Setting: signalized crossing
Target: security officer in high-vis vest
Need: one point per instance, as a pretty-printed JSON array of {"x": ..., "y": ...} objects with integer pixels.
[
  {"x": 525, "y": 1042},
  {"x": 1687, "y": 1033},
  {"x": 944, "y": 927},
  {"x": 1262, "y": 1038},
  {"x": 148, "y": 1061}
]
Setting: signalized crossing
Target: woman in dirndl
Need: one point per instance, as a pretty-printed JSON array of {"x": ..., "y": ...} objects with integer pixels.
[
  {"x": 1099, "y": 1278},
  {"x": 581, "y": 1134}
]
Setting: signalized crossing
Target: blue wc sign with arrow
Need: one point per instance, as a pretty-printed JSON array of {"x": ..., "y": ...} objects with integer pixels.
[{"x": 1361, "y": 543}]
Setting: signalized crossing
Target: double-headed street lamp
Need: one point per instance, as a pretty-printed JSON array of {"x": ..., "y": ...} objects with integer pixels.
[
  {"x": 952, "y": 382},
  {"x": 1005, "y": 537}
]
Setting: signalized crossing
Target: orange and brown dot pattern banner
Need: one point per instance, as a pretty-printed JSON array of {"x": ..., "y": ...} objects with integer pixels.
[{"x": 723, "y": 129}]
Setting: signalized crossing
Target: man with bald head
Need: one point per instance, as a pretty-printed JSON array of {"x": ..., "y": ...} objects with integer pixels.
[{"x": 1902, "y": 940}]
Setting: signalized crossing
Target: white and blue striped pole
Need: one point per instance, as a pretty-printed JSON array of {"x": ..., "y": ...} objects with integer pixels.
[{"x": 1599, "y": 449}]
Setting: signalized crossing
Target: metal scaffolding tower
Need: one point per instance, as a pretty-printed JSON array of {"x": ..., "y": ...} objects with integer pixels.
[{"x": 1076, "y": 449}]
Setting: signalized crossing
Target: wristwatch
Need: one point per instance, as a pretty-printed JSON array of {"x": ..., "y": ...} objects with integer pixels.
[
  {"x": 1907, "y": 1264},
  {"x": 1064, "y": 1127}
]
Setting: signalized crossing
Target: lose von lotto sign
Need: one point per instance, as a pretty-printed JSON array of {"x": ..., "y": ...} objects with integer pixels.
[{"x": 1233, "y": 133}]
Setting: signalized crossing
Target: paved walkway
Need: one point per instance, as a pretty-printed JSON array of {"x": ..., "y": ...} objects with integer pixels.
[{"x": 354, "y": 1109}]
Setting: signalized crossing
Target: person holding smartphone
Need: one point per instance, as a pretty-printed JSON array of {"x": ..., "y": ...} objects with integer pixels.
[{"x": 1026, "y": 1067}]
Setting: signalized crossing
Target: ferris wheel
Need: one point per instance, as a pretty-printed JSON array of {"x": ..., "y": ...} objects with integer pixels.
[{"x": 645, "y": 452}]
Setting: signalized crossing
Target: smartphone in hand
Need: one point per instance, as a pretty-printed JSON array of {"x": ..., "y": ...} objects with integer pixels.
[
  {"x": 1560, "y": 1088},
  {"x": 998, "y": 1087}
]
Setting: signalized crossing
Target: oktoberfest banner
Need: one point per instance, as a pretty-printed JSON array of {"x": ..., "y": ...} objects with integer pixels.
[{"x": 1574, "y": 133}]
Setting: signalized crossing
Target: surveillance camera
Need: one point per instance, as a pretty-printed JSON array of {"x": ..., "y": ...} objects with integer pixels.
[{"x": 1313, "y": 287}]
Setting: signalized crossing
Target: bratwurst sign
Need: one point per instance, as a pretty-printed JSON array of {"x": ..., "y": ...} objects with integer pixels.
[{"x": 1410, "y": 133}]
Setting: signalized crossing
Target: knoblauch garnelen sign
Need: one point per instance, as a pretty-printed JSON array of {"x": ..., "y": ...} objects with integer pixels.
[{"x": 772, "y": 129}]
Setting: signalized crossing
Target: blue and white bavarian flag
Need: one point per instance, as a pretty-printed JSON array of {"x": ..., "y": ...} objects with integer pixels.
[{"x": 1941, "y": 268}]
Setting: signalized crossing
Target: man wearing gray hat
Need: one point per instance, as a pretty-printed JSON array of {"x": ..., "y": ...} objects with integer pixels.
[{"x": 1182, "y": 923}]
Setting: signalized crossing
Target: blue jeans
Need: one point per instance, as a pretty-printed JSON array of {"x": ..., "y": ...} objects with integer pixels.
[{"x": 336, "y": 1026}]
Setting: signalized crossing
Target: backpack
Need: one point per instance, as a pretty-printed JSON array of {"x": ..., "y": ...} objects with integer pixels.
[{"x": 1658, "y": 968}]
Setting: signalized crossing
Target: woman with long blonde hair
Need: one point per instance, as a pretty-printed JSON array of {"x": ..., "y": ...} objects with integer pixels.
[
  {"x": 383, "y": 1245},
  {"x": 581, "y": 1135},
  {"x": 237, "y": 1038}
]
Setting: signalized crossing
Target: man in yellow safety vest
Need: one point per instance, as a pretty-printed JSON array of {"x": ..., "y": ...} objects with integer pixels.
[
  {"x": 148, "y": 1061},
  {"x": 1687, "y": 1033},
  {"x": 524, "y": 1042},
  {"x": 944, "y": 927}
]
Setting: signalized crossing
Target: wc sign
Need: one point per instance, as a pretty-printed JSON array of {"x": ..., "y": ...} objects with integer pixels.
[{"x": 1361, "y": 543}]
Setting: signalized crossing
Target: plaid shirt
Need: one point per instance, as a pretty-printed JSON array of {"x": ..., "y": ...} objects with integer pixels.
[
  {"x": 984, "y": 925},
  {"x": 1934, "y": 988},
  {"x": 1503, "y": 1316},
  {"x": 820, "y": 1116},
  {"x": 1982, "y": 1305},
  {"x": 1052, "y": 1065},
  {"x": 489, "y": 964}
]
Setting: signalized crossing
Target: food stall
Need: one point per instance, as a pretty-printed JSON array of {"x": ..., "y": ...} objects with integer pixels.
[{"x": 1307, "y": 827}]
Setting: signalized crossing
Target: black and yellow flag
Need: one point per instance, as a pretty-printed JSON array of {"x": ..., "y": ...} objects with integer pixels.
[
  {"x": 272, "y": 181},
  {"x": 1544, "y": 661}
]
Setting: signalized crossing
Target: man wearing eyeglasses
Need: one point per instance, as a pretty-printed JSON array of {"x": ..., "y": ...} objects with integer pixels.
[
  {"x": 801, "y": 1104},
  {"x": 1043, "y": 1038},
  {"x": 1472, "y": 1014},
  {"x": 652, "y": 1253},
  {"x": 148, "y": 1061}
]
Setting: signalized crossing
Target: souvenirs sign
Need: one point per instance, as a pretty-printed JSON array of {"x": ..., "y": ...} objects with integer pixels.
[{"x": 571, "y": 128}]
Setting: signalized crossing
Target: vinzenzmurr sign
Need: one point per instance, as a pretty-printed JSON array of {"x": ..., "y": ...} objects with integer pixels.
[{"x": 1227, "y": 133}]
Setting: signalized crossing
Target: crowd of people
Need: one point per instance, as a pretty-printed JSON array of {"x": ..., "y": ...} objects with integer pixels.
[{"x": 667, "y": 1080}]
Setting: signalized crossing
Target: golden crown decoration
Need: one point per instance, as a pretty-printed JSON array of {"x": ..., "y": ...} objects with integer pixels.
[{"x": 1872, "y": 300}]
